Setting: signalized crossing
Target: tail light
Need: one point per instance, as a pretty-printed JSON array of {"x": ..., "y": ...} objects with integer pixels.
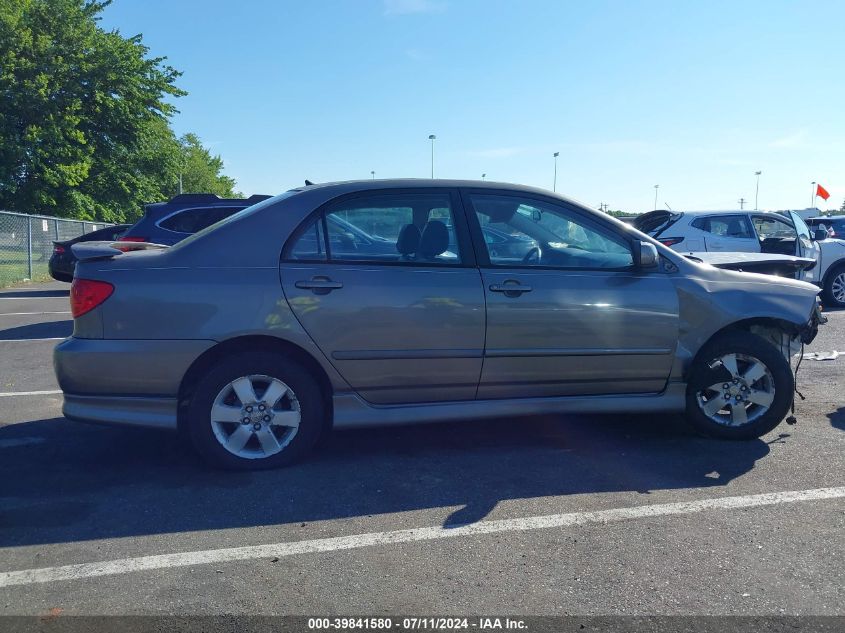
[
  {"x": 87, "y": 294},
  {"x": 129, "y": 239},
  {"x": 670, "y": 241},
  {"x": 58, "y": 250}
]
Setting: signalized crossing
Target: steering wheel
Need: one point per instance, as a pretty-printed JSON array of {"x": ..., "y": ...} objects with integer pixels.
[{"x": 533, "y": 255}]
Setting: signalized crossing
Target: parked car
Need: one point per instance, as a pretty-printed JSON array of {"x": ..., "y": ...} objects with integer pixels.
[
  {"x": 63, "y": 262},
  {"x": 183, "y": 215},
  {"x": 734, "y": 231},
  {"x": 254, "y": 338},
  {"x": 833, "y": 224}
]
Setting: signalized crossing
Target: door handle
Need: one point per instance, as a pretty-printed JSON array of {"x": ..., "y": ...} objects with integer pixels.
[
  {"x": 510, "y": 289},
  {"x": 319, "y": 285}
]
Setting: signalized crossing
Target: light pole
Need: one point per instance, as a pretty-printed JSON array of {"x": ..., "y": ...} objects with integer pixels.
[
  {"x": 812, "y": 193},
  {"x": 656, "y": 187},
  {"x": 554, "y": 182},
  {"x": 742, "y": 202},
  {"x": 483, "y": 176},
  {"x": 432, "y": 137},
  {"x": 757, "y": 190},
  {"x": 373, "y": 174}
]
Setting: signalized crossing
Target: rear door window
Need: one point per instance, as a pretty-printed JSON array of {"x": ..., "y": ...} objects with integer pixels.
[
  {"x": 726, "y": 226},
  {"x": 383, "y": 228},
  {"x": 194, "y": 220}
]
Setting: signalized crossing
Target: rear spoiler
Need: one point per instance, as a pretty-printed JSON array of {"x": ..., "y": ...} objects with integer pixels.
[{"x": 89, "y": 251}]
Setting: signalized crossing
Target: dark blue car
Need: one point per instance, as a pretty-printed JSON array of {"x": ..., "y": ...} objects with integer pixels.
[{"x": 183, "y": 215}]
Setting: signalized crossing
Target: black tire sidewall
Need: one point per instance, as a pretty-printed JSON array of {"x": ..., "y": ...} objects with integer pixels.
[
  {"x": 828, "y": 285},
  {"x": 307, "y": 392},
  {"x": 768, "y": 354}
]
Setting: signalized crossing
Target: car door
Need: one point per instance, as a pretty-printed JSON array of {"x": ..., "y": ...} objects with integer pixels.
[
  {"x": 728, "y": 233},
  {"x": 401, "y": 325},
  {"x": 572, "y": 316},
  {"x": 806, "y": 246}
]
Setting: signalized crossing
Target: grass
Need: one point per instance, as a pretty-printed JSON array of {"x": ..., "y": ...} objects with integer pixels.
[{"x": 14, "y": 269}]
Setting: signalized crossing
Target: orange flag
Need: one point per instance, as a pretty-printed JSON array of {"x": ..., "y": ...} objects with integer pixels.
[{"x": 821, "y": 192}]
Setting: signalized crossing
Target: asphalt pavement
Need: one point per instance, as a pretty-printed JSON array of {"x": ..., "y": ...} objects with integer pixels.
[{"x": 640, "y": 516}]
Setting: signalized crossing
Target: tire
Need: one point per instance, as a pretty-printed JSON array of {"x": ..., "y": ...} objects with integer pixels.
[
  {"x": 219, "y": 390},
  {"x": 765, "y": 399},
  {"x": 834, "y": 287}
]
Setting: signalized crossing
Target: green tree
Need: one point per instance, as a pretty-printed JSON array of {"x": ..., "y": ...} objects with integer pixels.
[
  {"x": 84, "y": 114},
  {"x": 201, "y": 171}
]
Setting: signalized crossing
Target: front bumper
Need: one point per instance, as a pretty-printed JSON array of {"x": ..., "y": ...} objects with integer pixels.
[{"x": 811, "y": 328}]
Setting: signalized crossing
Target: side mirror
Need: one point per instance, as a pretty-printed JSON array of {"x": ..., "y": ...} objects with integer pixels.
[
  {"x": 645, "y": 255},
  {"x": 820, "y": 234}
]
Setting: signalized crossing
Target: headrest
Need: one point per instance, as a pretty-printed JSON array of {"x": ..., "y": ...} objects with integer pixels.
[
  {"x": 408, "y": 240},
  {"x": 434, "y": 239}
]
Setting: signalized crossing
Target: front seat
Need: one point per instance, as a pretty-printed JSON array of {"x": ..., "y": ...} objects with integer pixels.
[
  {"x": 735, "y": 229},
  {"x": 434, "y": 241},
  {"x": 408, "y": 242}
]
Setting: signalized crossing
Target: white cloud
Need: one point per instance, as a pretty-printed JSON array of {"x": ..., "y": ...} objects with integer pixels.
[{"x": 406, "y": 7}]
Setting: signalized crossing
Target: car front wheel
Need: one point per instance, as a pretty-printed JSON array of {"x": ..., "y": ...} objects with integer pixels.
[
  {"x": 740, "y": 387},
  {"x": 254, "y": 411}
]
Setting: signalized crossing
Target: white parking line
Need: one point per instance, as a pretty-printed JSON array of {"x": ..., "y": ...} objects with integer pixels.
[
  {"x": 7, "y": 394},
  {"x": 205, "y": 557},
  {"x": 2, "y": 314},
  {"x": 29, "y": 340}
]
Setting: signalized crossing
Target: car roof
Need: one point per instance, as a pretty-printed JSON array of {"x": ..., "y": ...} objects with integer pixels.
[
  {"x": 822, "y": 218},
  {"x": 333, "y": 189},
  {"x": 200, "y": 201},
  {"x": 728, "y": 212}
]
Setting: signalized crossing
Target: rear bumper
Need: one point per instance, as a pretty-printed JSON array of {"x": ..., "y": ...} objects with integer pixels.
[
  {"x": 124, "y": 381},
  {"x": 150, "y": 412}
]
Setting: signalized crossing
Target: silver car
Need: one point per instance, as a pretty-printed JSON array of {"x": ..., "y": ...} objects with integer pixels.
[{"x": 260, "y": 333}]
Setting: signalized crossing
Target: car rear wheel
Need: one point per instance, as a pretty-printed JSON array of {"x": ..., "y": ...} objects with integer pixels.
[
  {"x": 255, "y": 411},
  {"x": 740, "y": 387},
  {"x": 834, "y": 287}
]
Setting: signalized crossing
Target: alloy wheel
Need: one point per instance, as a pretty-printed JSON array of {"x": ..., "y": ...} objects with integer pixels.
[
  {"x": 742, "y": 398},
  {"x": 256, "y": 416},
  {"x": 837, "y": 288}
]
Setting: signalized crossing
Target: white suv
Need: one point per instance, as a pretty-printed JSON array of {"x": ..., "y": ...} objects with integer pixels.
[{"x": 783, "y": 233}]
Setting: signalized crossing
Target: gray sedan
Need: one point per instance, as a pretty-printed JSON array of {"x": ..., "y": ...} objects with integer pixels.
[{"x": 258, "y": 334}]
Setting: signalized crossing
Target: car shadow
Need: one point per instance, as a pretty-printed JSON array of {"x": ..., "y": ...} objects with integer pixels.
[
  {"x": 34, "y": 294},
  {"x": 62, "y": 481},
  {"x": 837, "y": 418},
  {"x": 44, "y": 330}
]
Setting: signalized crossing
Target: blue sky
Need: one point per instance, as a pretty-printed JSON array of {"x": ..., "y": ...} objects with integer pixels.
[{"x": 693, "y": 96}]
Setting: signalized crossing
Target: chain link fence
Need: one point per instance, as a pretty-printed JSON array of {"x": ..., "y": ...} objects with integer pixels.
[{"x": 26, "y": 243}]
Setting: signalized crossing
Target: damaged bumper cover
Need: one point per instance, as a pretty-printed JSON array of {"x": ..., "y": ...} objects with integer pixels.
[{"x": 810, "y": 329}]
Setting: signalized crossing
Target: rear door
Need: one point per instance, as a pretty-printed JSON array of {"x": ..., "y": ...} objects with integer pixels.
[
  {"x": 571, "y": 315},
  {"x": 393, "y": 297}
]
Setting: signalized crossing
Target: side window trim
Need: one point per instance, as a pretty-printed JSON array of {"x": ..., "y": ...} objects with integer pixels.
[{"x": 482, "y": 255}]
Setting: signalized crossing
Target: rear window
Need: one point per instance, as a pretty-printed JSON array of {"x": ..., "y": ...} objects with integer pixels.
[
  {"x": 193, "y": 220},
  {"x": 655, "y": 222}
]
